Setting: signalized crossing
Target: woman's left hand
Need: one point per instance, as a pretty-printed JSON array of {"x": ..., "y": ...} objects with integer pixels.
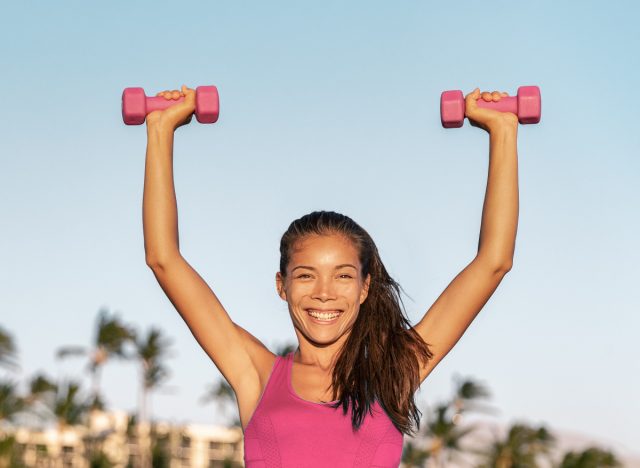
[{"x": 489, "y": 119}]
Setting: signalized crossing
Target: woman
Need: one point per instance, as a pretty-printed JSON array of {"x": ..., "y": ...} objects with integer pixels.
[{"x": 345, "y": 397}]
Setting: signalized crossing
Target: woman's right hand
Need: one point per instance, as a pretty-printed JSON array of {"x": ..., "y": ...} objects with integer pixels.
[
  {"x": 489, "y": 119},
  {"x": 178, "y": 114}
]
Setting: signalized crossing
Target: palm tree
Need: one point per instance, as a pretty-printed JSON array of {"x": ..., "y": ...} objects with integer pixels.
[
  {"x": 467, "y": 394},
  {"x": 8, "y": 350},
  {"x": 520, "y": 448},
  {"x": 9, "y": 452},
  {"x": 111, "y": 336},
  {"x": 412, "y": 456},
  {"x": 69, "y": 407},
  {"x": 445, "y": 434},
  {"x": 443, "y": 428},
  {"x": 63, "y": 401},
  {"x": 151, "y": 351},
  {"x": 592, "y": 457},
  {"x": 11, "y": 404}
]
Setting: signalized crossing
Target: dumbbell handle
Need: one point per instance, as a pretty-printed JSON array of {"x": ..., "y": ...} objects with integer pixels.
[
  {"x": 505, "y": 104},
  {"x": 155, "y": 103}
]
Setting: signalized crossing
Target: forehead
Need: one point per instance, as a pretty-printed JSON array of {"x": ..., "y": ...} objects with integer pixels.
[{"x": 326, "y": 249}]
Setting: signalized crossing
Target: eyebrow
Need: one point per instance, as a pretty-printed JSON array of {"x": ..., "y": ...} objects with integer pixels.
[{"x": 344, "y": 265}]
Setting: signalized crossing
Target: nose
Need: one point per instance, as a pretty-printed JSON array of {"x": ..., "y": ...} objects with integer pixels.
[{"x": 323, "y": 290}]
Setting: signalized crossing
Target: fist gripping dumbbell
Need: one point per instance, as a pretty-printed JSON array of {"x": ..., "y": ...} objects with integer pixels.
[
  {"x": 136, "y": 106},
  {"x": 527, "y": 106}
]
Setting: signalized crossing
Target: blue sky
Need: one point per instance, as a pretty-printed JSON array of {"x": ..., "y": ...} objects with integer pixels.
[{"x": 331, "y": 105}]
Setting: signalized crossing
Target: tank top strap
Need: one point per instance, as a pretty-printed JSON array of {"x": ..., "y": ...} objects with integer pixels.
[{"x": 277, "y": 385}]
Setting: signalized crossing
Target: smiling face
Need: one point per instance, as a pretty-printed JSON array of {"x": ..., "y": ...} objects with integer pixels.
[{"x": 323, "y": 287}]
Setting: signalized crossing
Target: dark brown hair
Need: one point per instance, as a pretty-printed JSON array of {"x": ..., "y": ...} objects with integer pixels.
[{"x": 380, "y": 359}]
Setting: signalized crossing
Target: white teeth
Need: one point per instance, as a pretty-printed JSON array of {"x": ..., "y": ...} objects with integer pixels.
[{"x": 323, "y": 315}]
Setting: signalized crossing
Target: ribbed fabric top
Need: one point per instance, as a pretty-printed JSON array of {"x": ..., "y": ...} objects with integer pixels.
[{"x": 286, "y": 431}]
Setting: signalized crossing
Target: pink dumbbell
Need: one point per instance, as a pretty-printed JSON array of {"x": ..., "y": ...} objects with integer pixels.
[
  {"x": 136, "y": 106},
  {"x": 526, "y": 106}
]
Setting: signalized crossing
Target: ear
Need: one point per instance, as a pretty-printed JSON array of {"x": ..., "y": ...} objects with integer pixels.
[
  {"x": 280, "y": 286},
  {"x": 365, "y": 289}
]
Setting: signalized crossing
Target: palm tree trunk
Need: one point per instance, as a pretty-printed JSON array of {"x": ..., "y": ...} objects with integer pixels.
[
  {"x": 144, "y": 439},
  {"x": 95, "y": 383}
]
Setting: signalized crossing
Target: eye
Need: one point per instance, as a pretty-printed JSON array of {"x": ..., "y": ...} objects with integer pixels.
[
  {"x": 304, "y": 276},
  {"x": 345, "y": 275}
]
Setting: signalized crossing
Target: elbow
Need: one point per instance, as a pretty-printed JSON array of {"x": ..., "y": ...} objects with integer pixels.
[
  {"x": 498, "y": 267},
  {"x": 159, "y": 262},
  {"x": 153, "y": 263},
  {"x": 504, "y": 268}
]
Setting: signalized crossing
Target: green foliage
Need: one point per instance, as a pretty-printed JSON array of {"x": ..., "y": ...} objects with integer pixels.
[
  {"x": 69, "y": 407},
  {"x": 40, "y": 385},
  {"x": 152, "y": 350},
  {"x": 520, "y": 448},
  {"x": 11, "y": 404},
  {"x": 160, "y": 455},
  {"x": 64, "y": 400},
  {"x": 100, "y": 459},
  {"x": 592, "y": 457},
  {"x": 443, "y": 422},
  {"x": 412, "y": 456},
  {"x": 9, "y": 453},
  {"x": 112, "y": 334},
  {"x": 8, "y": 350},
  {"x": 469, "y": 390},
  {"x": 446, "y": 429}
]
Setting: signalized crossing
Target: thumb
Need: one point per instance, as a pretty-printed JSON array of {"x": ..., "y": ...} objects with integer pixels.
[
  {"x": 186, "y": 91},
  {"x": 475, "y": 95},
  {"x": 470, "y": 101}
]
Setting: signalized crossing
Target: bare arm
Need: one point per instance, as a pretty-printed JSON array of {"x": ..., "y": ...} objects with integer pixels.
[
  {"x": 452, "y": 313},
  {"x": 235, "y": 352},
  {"x": 159, "y": 207}
]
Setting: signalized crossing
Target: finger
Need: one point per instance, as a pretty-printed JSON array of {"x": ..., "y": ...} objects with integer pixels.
[
  {"x": 495, "y": 96},
  {"x": 505, "y": 94},
  {"x": 188, "y": 91},
  {"x": 487, "y": 96},
  {"x": 175, "y": 94}
]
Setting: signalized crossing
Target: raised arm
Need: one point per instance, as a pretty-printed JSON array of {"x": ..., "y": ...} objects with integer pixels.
[
  {"x": 454, "y": 310},
  {"x": 235, "y": 352}
]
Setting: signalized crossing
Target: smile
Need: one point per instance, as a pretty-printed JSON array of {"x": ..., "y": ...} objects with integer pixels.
[{"x": 325, "y": 316}]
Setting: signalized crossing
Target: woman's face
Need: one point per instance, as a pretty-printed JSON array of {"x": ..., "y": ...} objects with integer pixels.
[{"x": 323, "y": 287}]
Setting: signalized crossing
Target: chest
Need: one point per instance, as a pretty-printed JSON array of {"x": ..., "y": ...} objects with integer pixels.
[
  {"x": 291, "y": 433},
  {"x": 310, "y": 383}
]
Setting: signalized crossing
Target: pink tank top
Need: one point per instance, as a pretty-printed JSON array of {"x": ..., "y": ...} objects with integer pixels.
[{"x": 286, "y": 431}]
